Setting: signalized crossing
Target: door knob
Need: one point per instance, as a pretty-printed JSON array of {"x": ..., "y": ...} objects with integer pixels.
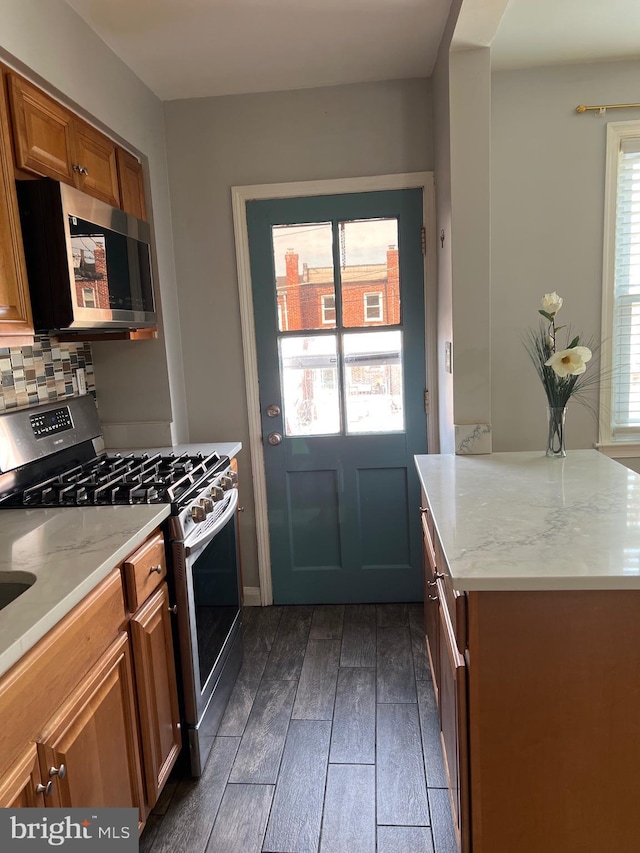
[
  {"x": 273, "y": 411},
  {"x": 274, "y": 438}
]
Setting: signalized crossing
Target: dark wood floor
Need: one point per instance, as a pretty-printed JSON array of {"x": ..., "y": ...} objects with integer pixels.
[{"x": 329, "y": 744}]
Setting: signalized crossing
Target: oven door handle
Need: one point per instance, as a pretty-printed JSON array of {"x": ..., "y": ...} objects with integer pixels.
[{"x": 207, "y": 535}]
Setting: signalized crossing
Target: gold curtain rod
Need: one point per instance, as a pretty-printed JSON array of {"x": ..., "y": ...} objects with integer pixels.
[{"x": 602, "y": 107}]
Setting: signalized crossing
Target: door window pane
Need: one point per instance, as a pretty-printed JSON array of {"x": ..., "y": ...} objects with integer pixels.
[
  {"x": 370, "y": 272},
  {"x": 309, "y": 378},
  {"x": 303, "y": 256},
  {"x": 373, "y": 382}
]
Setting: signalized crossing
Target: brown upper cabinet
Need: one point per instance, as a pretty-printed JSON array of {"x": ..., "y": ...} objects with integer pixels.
[
  {"x": 131, "y": 184},
  {"x": 16, "y": 325},
  {"x": 49, "y": 140},
  {"x": 52, "y": 141}
]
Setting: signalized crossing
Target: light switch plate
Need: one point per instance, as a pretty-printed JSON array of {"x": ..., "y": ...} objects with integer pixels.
[{"x": 448, "y": 360}]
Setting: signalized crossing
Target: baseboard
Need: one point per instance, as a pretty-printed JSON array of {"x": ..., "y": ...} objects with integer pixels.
[{"x": 252, "y": 596}]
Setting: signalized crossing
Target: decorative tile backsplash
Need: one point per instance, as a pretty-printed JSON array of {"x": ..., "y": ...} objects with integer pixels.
[{"x": 42, "y": 373}]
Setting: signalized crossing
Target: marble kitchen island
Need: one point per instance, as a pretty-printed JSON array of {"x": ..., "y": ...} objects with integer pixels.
[{"x": 532, "y": 620}]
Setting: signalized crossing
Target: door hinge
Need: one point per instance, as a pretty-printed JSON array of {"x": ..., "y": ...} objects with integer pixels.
[
  {"x": 423, "y": 240},
  {"x": 426, "y": 401}
]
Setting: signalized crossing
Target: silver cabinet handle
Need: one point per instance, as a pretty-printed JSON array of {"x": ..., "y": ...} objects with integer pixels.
[
  {"x": 424, "y": 509},
  {"x": 274, "y": 438},
  {"x": 433, "y": 598},
  {"x": 173, "y": 608},
  {"x": 240, "y": 509},
  {"x": 157, "y": 569},
  {"x": 432, "y": 583},
  {"x": 438, "y": 576},
  {"x": 60, "y": 772},
  {"x": 44, "y": 789}
]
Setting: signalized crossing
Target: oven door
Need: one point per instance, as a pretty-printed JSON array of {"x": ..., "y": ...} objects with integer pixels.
[{"x": 209, "y": 602}]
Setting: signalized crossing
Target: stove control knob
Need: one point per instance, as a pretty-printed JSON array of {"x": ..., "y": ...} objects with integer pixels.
[
  {"x": 198, "y": 513},
  {"x": 232, "y": 476},
  {"x": 216, "y": 493},
  {"x": 226, "y": 482},
  {"x": 207, "y": 505}
]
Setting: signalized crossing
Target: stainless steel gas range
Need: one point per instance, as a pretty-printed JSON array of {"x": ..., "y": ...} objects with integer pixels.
[{"x": 53, "y": 456}]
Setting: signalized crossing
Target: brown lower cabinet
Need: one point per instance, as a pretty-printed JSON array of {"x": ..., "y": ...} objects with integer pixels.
[
  {"x": 157, "y": 691},
  {"x": 89, "y": 716},
  {"x": 538, "y": 694},
  {"x": 22, "y": 786},
  {"x": 94, "y": 737}
]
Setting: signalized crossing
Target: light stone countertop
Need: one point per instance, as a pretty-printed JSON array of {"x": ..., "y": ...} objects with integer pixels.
[
  {"x": 520, "y": 521},
  {"x": 69, "y": 550}
]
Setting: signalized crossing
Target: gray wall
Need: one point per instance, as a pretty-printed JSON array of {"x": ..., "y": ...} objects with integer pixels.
[
  {"x": 547, "y": 183},
  {"x": 136, "y": 382},
  {"x": 442, "y": 158},
  {"x": 216, "y": 143}
]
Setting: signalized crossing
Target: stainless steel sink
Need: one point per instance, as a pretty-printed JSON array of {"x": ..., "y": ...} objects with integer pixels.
[{"x": 13, "y": 584}]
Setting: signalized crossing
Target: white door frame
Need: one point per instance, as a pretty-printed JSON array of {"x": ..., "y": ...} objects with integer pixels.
[{"x": 240, "y": 196}]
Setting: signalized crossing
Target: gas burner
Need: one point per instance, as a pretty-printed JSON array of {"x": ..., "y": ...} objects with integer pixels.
[{"x": 124, "y": 479}]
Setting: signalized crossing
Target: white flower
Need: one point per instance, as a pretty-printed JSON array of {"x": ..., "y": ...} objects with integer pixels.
[
  {"x": 569, "y": 362},
  {"x": 551, "y": 302}
]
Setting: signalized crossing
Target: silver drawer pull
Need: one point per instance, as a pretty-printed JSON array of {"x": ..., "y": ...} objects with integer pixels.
[
  {"x": 433, "y": 598},
  {"x": 60, "y": 772},
  {"x": 438, "y": 576},
  {"x": 173, "y": 608},
  {"x": 424, "y": 509},
  {"x": 432, "y": 583},
  {"x": 157, "y": 569},
  {"x": 44, "y": 789}
]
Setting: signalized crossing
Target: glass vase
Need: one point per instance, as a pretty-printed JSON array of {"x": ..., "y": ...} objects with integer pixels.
[{"x": 555, "y": 435}]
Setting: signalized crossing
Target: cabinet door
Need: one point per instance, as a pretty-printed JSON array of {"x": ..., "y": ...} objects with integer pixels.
[
  {"x": 95, "y": 736},
  {"x": 97, "y": 172},
  {"x": 431, "y": 607},
  {"x": 157, "y": 691},
  {"x": 18, "y": 787},
  {"x": 15, "y": 308},
  {"x": 42, "y": 132},
  {"x": 453, "y": 722},
  {"x": 131, "y": 184}
]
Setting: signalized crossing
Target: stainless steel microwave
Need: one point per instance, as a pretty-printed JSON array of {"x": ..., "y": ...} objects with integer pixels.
[{"x": 88, "y": 264}]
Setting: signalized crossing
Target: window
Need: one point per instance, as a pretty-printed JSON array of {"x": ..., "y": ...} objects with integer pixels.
[
  {"x": 372, "y": 307},
  {"x": 89, "y": 297},
  {"x": 620, "y": 398},
  {"x": 328, "y": 302}
]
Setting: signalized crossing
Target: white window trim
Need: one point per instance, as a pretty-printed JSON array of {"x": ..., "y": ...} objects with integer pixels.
[
  {"x": 332, "y": 321},
  {"x": 617, "y": 447},
  {"x": 92, "y": 292},
  {"x": 379, "y": 319}
]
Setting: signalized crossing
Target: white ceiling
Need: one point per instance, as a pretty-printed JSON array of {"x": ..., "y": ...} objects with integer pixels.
[
  {"x": 549, "y": 32},
  {"x": 198, "y": 48}
]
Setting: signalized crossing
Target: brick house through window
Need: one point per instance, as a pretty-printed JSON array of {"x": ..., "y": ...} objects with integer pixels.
[{"x": 370, "y": 294}]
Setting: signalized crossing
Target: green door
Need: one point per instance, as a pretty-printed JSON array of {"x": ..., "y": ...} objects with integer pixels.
[{"x": 339, "y": 317}]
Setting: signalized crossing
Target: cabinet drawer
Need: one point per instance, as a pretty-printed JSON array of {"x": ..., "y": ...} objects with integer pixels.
[
  {"x": 144, "y": 571},
  {"x": 436, "y": 568}
]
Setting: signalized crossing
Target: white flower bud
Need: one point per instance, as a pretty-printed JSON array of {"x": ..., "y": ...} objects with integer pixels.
[{"x": 551, "y": 302}]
